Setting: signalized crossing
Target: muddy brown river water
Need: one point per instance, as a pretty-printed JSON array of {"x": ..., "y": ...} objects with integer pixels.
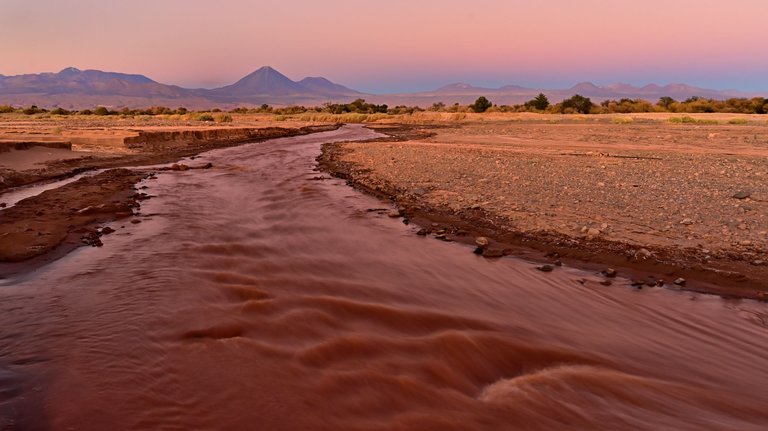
[{"x": 257, "y": 296}]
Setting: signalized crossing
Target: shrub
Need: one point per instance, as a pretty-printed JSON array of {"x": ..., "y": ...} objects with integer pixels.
[
  {"x": 205, "y": 117},
  {"x": 538, "y": 103},
  {"x": 738, "y": 121},
  {"x": 481, "y": 104},
  {"x": 60, "y": 111},
  {"x": 32, "y": 110},
  {"x": 101, "y": 111},
  {"x": 223, "y": 118},
  {"x": 5, "y": 109},
  {"x": 437, "y": 107},
  {"x": 577, "y": 103}
]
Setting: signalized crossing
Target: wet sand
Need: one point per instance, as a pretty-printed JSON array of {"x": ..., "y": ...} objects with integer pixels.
[{"x": 661, "y": 201}]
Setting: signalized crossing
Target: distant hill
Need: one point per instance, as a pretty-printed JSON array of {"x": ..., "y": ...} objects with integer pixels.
[{"x": 72, "y": 88}]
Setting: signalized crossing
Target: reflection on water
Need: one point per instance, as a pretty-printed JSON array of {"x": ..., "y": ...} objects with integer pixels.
[{"x": 257, "y": 296}]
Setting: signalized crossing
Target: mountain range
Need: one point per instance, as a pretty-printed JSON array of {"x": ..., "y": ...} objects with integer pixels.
[{"x": 72, "y": 88}]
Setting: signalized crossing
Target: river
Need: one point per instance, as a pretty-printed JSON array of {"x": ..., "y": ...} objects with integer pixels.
[{"x": 263, "y": 295}]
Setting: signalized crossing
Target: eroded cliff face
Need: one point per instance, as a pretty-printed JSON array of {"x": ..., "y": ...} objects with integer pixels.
[{"x": 172, "y": 139}]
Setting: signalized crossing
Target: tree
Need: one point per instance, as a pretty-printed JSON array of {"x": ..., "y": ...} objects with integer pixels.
[
  {"x": 101, "y": 111},
  {"x": 538, "y": 103},
  {"x": 481, "y": 104},
  {"x": 578, "y": 103},
  {"x": 437, "y": 107},
  {"x": 666, "y": 102}
]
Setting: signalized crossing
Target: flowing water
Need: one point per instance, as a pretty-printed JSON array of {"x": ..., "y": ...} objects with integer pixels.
[{"x": 258, "y": 296}]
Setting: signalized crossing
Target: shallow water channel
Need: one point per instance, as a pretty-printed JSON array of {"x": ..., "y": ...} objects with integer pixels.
[{"x": 263, "y": 295}]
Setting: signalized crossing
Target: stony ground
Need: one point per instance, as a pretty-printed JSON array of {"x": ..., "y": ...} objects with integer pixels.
[{"x": 655, "y": 188}]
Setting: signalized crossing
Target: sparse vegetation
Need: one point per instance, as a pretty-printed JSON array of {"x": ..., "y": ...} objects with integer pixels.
[
  {"x": 690, "y": 120},
  {"x": 205, "y": 117}
]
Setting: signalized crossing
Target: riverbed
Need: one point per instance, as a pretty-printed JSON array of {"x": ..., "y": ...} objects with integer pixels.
[{"x": 264, "y": 294}]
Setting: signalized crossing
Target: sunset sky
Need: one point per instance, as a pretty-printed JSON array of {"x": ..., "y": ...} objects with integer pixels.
[{"x": 396, "y": 45}]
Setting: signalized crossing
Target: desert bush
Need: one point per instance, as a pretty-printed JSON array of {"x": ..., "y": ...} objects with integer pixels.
[
  {"x": 223, "y": 118},
  {"x": 205, "y": 117},
  {"x": 738, "y": 121},
  {"x": 538, "y": 103},
  {"x": 622, "y": 120},
  {"x": 7, "y": 109},
  {"x": 60, "y": 111},
  {"x": 32, "y": 110},
  {"x": 437, "y": 107},
  {"x": 481, "y": 104},
  {"x": 101, "y": 111},
  {"x": 576, "y": 104},
  {"x": 690, "y": 120}
]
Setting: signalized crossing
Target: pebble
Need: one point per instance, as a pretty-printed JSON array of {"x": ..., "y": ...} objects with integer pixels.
[
  {"x": 742, "y": 195},
  {"x": 686, "y": 221},
  {"x": 606, "y": 282},
  {"x": 610, "y": 273},
  {"x": 493, "y": 252},
  {"x": 482, "y": 241},
  {"x": 394, "y": 213},
  {"x": 643, "y": 253},
  {"x": 679, "y": 282},
  {"x": 593, "y": 232},
  {"x": 106, "y": 230},
  {"x": 422, "y": 232},
  {"x": 545, "y": 268}
]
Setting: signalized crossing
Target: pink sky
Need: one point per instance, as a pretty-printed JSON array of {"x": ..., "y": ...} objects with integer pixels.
[{"x": 396, "y": 44}]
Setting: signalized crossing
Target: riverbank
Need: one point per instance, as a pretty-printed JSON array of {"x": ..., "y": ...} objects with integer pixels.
[
  {"x": 659, "y": 202},
  {"x": 42, "y": 228},
  {"x": 34, "y": 151}
]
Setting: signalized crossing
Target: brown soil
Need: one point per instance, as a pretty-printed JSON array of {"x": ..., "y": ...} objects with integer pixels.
[
  {"x": 657, "y": 200},
  {"x": 66, "y": 216}
]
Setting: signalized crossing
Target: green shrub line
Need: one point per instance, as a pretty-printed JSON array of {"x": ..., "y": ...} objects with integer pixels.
[{"x": 576, "y": 104}]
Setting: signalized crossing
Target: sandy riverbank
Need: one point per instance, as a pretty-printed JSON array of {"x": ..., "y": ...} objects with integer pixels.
[{"x": 661, "y": 200}]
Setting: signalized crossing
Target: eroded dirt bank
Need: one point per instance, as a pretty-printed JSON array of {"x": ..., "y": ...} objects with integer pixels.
[
  {"x": 118, "y": 148},
  {"x": 663, "y": 202},
  {"x": 67, "y": 216}
]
